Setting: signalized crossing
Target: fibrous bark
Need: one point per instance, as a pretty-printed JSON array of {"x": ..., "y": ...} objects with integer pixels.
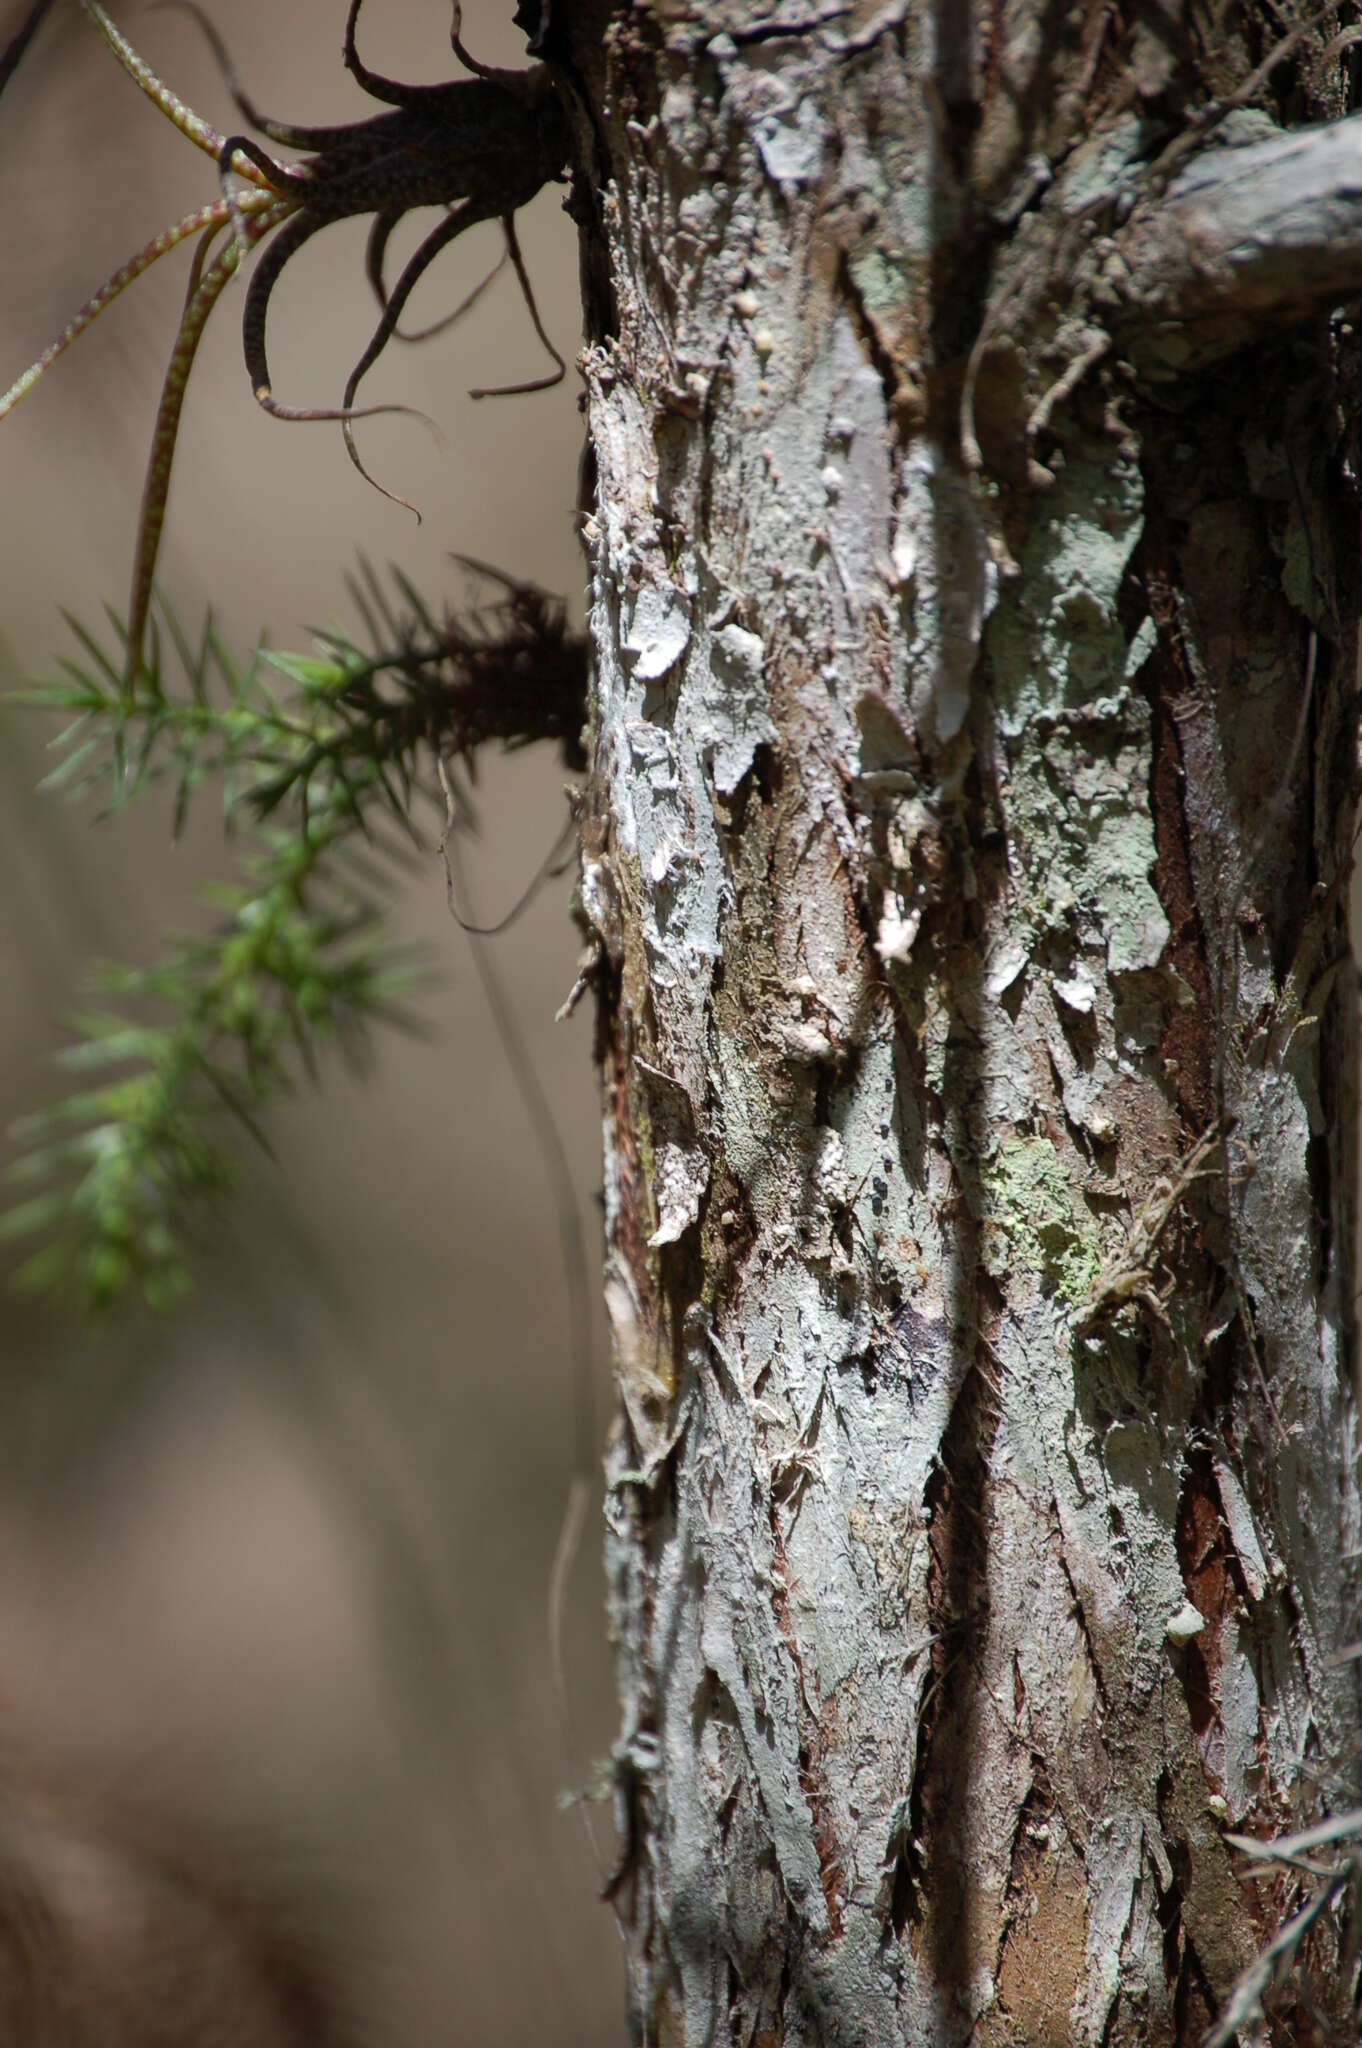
[{"x": 972, "y": 780}]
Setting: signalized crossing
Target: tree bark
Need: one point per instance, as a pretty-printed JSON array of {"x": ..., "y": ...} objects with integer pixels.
[{"x": 973, "y": 554}]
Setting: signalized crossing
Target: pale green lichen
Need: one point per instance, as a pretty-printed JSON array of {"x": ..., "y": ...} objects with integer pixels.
[
  {"x": 1055, "y": 641},
  {"x": 1078, "y": 805},
  {"x": 884, "y": 287},
  {"x": 1083, "y": 845},
  {"x": 1033, "y": 1220}
]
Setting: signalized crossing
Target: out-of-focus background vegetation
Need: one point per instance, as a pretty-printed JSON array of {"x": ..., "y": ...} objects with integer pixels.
[{"x": 274, "y": 1574}]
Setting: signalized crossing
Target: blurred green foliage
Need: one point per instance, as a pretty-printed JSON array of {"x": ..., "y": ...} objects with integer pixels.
[{"x": 323, "y": 761}]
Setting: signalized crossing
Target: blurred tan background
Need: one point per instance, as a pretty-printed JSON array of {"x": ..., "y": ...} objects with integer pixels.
[{"x": 274, "y": 1575}]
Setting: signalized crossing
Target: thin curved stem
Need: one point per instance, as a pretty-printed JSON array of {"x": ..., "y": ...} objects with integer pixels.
[
  {"x": 206, "y": 286},
  {"x": 382, "y": 227},
  {"x": 279, "y": 177},
  {"x": 376, "y": 248},
  {"x": 555, "y": 862},
  {"x": 389, "y": 90},
  {"x": 286, "y": 132},
  {"x": 200, "y": 257},
  {"x": 200, "y": 132},
  {"x": 465, "y": 216},
  {"x": 534, "y": 383},
  {"x": 571, "y": 1235},
  {"x": 465, "y": 305},
  {"x": 281, "y": 251},
  {"x": 497, "y": 73},
  {"x": 169, "y": 238},
  {"x": 456, "y": 45}
]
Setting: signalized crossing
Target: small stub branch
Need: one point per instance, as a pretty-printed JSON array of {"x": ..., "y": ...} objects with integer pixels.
[{"x": 1262, "y": 233}]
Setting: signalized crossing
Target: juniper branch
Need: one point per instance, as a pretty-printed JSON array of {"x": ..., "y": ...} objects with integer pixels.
[{"x": 312, "y": 753}]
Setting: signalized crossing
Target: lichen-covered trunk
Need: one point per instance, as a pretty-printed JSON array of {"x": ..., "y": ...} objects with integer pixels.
[{"x": 967, "y": 843}]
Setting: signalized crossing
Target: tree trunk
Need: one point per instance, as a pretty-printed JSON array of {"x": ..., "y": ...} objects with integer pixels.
[{"x": 974, "y": 596}]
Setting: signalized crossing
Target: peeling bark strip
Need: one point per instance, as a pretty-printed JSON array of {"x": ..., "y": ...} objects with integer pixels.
[{"x": 973, "y": 749}]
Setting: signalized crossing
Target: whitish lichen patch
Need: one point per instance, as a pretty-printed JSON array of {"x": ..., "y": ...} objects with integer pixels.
[
  {"x": 735, "y": 702},
  {"x": 954, "y": 588}
]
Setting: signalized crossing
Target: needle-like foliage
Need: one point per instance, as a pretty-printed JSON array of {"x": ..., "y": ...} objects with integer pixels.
[{"x": 324, "y": 762}]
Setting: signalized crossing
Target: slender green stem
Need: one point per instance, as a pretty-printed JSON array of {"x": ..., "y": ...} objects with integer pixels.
[
  {"x": 205, "y": 290},
  {"x": 200, "y": 132},
  {"x": 218, "y": 210}
]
